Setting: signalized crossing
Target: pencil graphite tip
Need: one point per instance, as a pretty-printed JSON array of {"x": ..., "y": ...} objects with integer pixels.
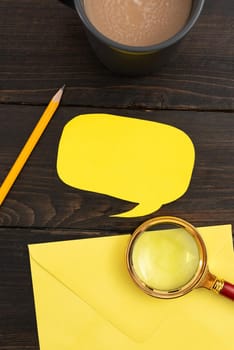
[{"x": 57, "y": 97}]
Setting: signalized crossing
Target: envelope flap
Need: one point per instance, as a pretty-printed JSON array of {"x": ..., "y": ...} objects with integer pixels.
[{"x": 95, "y": 270}]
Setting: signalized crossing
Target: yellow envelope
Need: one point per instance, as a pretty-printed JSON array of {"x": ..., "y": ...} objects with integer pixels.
[{"x": 85, "y": 299}]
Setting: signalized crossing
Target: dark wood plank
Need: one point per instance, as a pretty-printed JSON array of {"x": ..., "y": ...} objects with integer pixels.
[
  {"x": 17, "y": 314},
  {"x": 40, "y": 199},
  {"x": 43, "y": 46}
]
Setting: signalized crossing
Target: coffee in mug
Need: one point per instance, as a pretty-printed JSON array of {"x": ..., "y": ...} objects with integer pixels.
[
  {"x": 138, "y": 22},
  {"x": 136, "y": 37}
]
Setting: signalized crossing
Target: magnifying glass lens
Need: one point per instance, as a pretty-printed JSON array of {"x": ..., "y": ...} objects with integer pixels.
[{"x": 165, "y": 257}]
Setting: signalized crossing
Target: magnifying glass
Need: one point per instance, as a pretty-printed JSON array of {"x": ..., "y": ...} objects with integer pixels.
[{"x": 167, "y": 258}]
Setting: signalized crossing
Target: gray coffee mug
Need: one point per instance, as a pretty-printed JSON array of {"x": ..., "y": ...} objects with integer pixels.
[{"x": 133, "y": 60}]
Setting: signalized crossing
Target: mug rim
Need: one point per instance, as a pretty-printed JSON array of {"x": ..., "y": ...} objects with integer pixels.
[{"x": 150, "y": 48}]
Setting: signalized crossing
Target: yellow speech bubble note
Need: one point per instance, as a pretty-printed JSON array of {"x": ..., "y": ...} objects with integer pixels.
[{"x": 141, "y": 161}]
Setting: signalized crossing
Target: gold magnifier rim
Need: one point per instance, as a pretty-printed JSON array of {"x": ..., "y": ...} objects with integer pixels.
[{"x": 202, "y": 266}]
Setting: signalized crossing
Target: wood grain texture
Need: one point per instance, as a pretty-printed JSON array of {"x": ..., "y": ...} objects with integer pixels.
[
  {"x": 17, "y": 315},
  {"x": 40, "y": 199},
  {"x": 43, "y": 46}
]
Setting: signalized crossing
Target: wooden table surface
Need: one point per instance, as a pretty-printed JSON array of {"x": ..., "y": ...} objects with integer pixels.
[{"x": 43, "y": 46}]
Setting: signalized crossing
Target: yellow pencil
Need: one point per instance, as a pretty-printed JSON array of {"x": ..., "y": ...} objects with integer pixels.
[{"x": 30, "y": 144}]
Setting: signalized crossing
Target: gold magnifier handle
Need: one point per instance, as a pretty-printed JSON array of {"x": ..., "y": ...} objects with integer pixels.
[{"x": 218, "y": 285}]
